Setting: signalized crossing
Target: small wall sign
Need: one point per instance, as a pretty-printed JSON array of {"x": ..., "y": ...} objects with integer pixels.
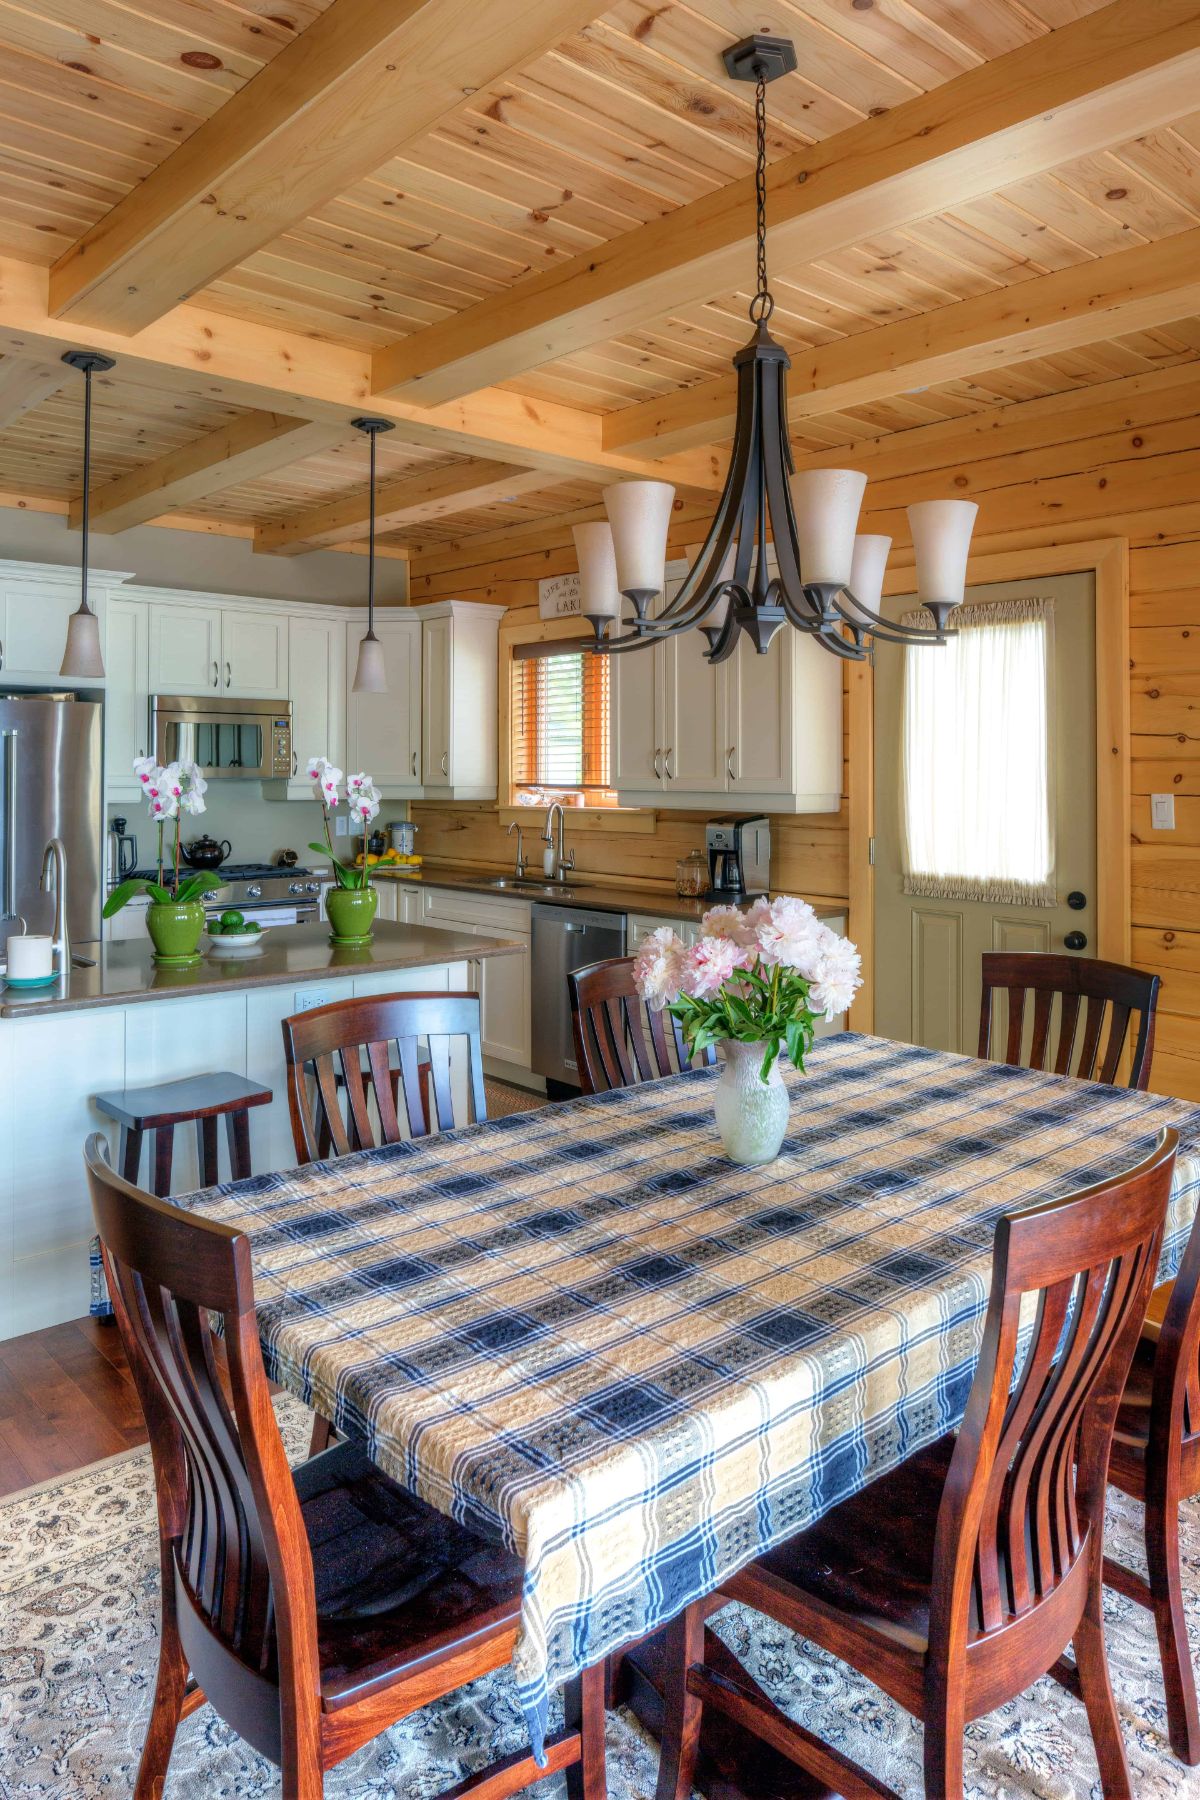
[{"x": 558, "y": 597}]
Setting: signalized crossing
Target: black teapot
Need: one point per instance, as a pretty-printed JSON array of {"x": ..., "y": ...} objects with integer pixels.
[{"x": 205, "y": 852}]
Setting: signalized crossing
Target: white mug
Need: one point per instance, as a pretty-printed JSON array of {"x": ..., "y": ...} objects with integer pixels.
[{"x": 29, "y": 957}]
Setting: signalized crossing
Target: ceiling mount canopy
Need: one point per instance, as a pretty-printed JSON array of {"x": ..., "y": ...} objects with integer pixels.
[
  {"x": 82, "y": 658},
  {"x": 783, "y": 547},
  {"x": 370, "y": 674}
]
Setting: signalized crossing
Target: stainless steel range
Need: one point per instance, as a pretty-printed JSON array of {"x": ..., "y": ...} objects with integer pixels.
[{"x": 262, "y": 891}]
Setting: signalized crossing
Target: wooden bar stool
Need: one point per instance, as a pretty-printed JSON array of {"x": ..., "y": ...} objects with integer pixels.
[{"x": 197, "y": 1099}]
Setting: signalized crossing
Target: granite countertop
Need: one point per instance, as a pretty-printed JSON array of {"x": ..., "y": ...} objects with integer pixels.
[
  {"x": 124, "y": 972},
  {"x": 583, "y": 890}
]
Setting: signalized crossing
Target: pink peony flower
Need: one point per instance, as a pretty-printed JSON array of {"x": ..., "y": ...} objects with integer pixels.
[
  {"x": 789, "y": 933},
  {"x": 709, "y": 964},
  {"x": 837, "y": 974},
  {"x": 727, "y": 922},
  {"x": 658, "y": 967}
]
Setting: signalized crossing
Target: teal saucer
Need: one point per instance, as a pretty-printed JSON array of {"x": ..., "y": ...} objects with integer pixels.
[{"x": 30, "y": 981}]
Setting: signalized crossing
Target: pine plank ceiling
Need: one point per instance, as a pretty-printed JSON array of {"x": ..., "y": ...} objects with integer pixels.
[{"x": 585, "y": 132}]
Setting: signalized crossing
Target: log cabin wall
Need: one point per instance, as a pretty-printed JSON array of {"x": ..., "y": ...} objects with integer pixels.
[{"x": 1118, "y": 460}]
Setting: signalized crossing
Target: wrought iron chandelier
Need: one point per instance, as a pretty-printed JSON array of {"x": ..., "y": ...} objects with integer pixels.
[{"x": 827, "y": 581}]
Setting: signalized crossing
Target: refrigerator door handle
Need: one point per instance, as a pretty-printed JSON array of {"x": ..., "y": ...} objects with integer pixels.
[{"x": 10, "y": 823}]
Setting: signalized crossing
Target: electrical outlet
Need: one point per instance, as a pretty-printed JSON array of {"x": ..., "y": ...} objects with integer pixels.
[
  {"x": 307, "y": 998},
  {"x": 341, "y": 825},
  {"x": 1162, "y": 812}
]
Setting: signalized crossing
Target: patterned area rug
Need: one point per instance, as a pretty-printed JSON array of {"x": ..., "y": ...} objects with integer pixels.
[{"x": 78, "y": 1605}]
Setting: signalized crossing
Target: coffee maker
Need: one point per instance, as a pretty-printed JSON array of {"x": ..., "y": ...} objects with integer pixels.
[{"x": 739, "y": 857}]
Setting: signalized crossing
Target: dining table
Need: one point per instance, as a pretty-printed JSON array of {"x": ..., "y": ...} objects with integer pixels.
[{"x": 584, "y": 1329}]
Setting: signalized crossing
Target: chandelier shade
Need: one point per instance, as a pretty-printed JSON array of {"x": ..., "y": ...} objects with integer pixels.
[
  {"x": 599, "y": 595},
  {"x": 783, "y": 546}
]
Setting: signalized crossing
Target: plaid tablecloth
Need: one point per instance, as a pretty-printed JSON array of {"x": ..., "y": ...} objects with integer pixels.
[{"x": 584, "y": 1328}]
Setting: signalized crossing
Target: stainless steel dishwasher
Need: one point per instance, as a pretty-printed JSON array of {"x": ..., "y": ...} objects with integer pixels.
[{"x": 565, "y": 938}]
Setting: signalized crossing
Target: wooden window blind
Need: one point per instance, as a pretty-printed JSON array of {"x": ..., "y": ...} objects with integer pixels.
[{"x": 559, "y": 716}]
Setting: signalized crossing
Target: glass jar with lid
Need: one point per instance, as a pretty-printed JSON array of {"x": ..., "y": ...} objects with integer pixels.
[{"x": 691, "y": 876}]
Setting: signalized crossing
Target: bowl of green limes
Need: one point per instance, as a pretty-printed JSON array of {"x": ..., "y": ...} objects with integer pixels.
[{"x": 232, "y": 934}]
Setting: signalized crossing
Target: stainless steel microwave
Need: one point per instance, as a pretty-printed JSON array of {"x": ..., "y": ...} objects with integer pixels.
[{"x": 231, "y": 740}]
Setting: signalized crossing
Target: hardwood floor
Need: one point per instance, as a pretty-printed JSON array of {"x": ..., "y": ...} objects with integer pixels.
[{"x": 66, "y": 1399}]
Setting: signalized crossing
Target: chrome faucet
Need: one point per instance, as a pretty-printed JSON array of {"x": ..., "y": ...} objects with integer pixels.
[
  {"x": 519, "y": 871},
  {"x": 562, "y": 862},
  {"x": 54, "y": 862}
]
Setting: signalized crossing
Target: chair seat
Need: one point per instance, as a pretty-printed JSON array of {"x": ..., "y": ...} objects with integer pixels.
[
  {"x": 177, "y": 1102},
  {"x": 397, "y": 1583},
  {"x": 871, "y": 1558}
]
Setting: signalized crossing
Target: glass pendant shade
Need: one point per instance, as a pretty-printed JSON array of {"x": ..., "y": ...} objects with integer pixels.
[
  {"x": 370, "y": 674},
  {"x": 81, "y": 658},
  {"x": 599, "y": 595},
  {"x": 867, "y": 569},
  {"x": 639, "y": 513},
  {"x": 941, "y": 535},
  {"x": 826, "y": 503}
]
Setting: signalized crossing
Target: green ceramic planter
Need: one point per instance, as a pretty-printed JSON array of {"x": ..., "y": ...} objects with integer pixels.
[
  {"x": 351, "y": 914},
  {"x": 175, "y": 930}
]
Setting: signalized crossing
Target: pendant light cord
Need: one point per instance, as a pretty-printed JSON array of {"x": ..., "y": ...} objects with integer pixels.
[
  {"x": 85, "y": 511},
  {"x": 763, "y": 304},
  {"x": 371, "y": 549}
]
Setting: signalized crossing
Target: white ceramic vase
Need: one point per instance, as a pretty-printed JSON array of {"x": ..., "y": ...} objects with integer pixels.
[{"x": 752, "y": 1114}]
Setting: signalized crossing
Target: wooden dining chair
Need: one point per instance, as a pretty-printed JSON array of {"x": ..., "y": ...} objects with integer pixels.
[
  {"x": 311, "y": 1608},
  {"x": 338, "y": 1059},
  {"x": 957, "y": 1579},
  {"x": 1156, "y": 1459},
  {"x": 619, "y": 1040},
  {"x": 1108, "y": 988}
]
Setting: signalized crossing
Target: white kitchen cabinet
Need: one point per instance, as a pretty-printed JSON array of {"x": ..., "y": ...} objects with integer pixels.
[
  {"x": 202, "y": 648},
  {"x": 126, "y": 698},
  {"x": 36, "y": 602},
  {"x": 383, "y": 731},
  {"x": 504, "y": 981},
  {"x": 317, "y": 660},
  {"x": 460, "y": 670}
]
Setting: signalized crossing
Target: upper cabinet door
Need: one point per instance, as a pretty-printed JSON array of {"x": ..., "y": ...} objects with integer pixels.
[
  {"x": 317, "y": 657},
  {"x": 384, "y": 730},
  {"x": 693, "y": 716},
  {"x": 126, "y": 702},
  {"x": 33, "y": 625},
  {"x": 760, "y": 696},
  {"x": 185, "y": 649},
  {"x": 254, "y": 654},
  {"x": 437, "y": 765},
  {"x": 635, "y": 711}
]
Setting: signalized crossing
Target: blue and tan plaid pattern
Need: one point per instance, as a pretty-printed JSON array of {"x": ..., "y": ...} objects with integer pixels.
[{"x": 584, "y": 1328}]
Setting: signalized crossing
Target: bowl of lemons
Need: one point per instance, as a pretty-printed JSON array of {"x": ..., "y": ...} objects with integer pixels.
[{"x": 233, "y": 935}]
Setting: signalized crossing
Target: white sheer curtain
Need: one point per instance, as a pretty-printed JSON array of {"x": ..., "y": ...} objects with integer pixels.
[{"x": 977, "y": 780}]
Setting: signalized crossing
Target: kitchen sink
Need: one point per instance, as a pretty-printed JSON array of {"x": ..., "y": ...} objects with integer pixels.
[{"x": 525, "y": 885}]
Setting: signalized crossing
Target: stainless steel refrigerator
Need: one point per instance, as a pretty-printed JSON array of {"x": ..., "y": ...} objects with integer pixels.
[{"x": 51, "y": 785}]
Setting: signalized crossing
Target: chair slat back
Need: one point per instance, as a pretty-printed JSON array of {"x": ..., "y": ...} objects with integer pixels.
[
  {"x": 339, "y": 1105},
  {"x": 619, "y": 1040},
  {"x": 228, "y": 1511},
  {"x": 1113, "y": 997},
  {"x": 1024, "y": 1500}
]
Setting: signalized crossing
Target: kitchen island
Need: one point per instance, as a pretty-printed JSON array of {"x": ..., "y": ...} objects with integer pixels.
[{"x": 126, "y": 1023}]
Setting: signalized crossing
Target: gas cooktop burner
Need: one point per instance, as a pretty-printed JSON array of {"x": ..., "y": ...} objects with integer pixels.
[{"x": 236, "y": 872}]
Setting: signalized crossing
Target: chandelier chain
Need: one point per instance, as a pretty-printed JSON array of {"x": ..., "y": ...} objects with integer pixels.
[{"x": 763, "y": 304}]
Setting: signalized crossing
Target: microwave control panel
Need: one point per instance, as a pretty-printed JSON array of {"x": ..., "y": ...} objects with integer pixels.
[{"x": 281, "y": 747}]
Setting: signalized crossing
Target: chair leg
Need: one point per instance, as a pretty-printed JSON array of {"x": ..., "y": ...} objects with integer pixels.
[
  {"x": 169, "y": 1690},
  {"x": 164, "y": 1145},
  {"x": 944, "y": 1728},
  {"x": 206, "y": 1152},
  {"x": 1162, "y": 1558},
  {"x": 583, "y": 1706},
  {"x": 1096, "y": 1688},
  {"x": 302, "y": 1775},
  {"x": 682, "y": 1710},
  {"x": 131, "y": 1152},
  {"x": 322, "y": 1434},
  {"x": 237, "y": 1129}
]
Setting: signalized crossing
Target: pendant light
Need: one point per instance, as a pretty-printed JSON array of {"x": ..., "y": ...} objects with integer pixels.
[
  {"x": 825, "y": 580},
  {"x": 370, "y": 676},
  {"x": 81, "y": 657}
]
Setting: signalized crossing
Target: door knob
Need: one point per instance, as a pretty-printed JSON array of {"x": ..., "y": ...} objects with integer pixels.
[
  {"x": 1076, "y": 901},
  {"x": 1075, "y": 940}
]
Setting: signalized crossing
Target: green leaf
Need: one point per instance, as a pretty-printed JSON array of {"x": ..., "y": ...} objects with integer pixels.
[
  {"x": 797, "y": 1044},
  {"x": 202, "y": 882},
  {"x": 771, "y": 1051},
  {"x": 161, "y": 896},
  {"x": 122, "y": 895}
]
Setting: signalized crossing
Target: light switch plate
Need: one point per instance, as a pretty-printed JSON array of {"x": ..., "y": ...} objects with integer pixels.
[
  {"x": 307, "y": 998},
  {"x": 341, "y": 825},
  {"x": 1162, "y": 812}
]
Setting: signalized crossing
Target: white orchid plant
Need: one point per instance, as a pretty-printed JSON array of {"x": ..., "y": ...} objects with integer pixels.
[
  {"x": 362, "y": 803},
  {"x": 170, "y": 793},
  {"x": 762, "y": 976}
]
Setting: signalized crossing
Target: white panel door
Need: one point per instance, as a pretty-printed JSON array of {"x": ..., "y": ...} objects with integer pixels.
[
  {"x": 185, "y": 649},
  {"x": 254, "y": 653}
]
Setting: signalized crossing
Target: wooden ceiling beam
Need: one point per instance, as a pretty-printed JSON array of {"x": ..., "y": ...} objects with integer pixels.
[
  {"x": 364, "y": 79},
  {"x": 213, "y": 357},
  {"x": 1132, "y": 290},
  {"x": 249, "y": 447},
  {"x": 1101, "y": 80},
  {"x": 25, "y": 383},
  {"x": 432, "y": 494}
]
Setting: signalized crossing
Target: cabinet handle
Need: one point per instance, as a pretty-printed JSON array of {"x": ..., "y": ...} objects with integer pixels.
[
  {"x": 1, "y": 653},
  {"x": 414, "y": 762},
  {"x": 445, "y": 760},
  {"x": 667, "y": 755},
  {"x": 295, "y": 761},
  {"x": 216, "y": 672},
  {"x": 657, "y": 770},
  {"x": 729, "y": 763},
  {"x": 228, "y": 674}
]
